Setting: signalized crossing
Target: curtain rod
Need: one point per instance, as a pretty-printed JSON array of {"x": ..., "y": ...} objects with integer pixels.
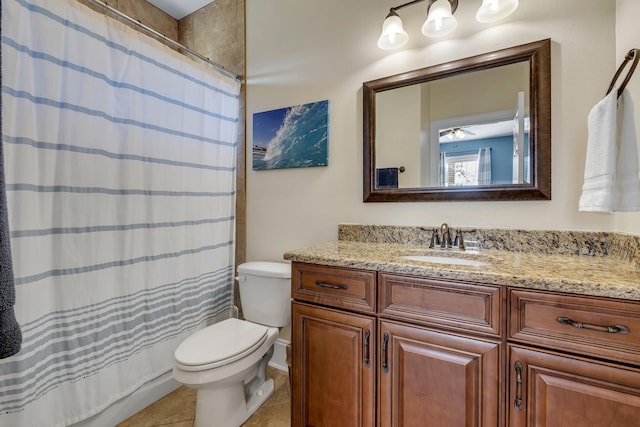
[{"x": 162, "y": 37}]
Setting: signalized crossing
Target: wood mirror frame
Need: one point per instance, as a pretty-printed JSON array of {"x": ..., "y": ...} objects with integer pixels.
[{"x": 538, "y": 54}]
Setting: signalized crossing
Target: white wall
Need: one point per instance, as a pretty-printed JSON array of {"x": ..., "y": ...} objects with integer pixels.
[
  {"x": 303, "y": 51},
  {"x": 628, "y": 37}
]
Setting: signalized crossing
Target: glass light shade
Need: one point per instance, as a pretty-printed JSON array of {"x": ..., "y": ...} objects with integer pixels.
[
  {"x": 440, "y": 20},
  {"x": 495, "y": 10},
  {"x": 393, "y": 35}
]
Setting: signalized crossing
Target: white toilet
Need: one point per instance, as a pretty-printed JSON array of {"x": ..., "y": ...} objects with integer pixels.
[{"x": 227, "y": 361}]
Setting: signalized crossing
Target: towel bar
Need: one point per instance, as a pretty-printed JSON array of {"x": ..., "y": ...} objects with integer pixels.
[{"x": 632, "y": 54}]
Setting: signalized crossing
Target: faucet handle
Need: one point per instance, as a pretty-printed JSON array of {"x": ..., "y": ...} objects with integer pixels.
[
  {"x": 459, "y": 241},
  {"x": 435, "y": 239}
]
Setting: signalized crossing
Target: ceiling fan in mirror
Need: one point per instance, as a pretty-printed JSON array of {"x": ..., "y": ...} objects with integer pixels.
[{"x": 455, "y": 133}]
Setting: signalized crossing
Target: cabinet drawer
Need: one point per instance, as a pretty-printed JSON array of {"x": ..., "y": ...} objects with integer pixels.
[
  {"x": 593, "y": 326},
  {"x": 463, "y": 306},
  {"x": 335, "y": 287}
]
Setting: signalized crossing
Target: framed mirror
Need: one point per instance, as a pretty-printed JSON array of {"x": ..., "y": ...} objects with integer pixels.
[{"x": 477, "y": 128}]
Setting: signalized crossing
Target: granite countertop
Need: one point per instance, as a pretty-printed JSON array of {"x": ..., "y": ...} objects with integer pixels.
[{"x": 586, "y": 275}]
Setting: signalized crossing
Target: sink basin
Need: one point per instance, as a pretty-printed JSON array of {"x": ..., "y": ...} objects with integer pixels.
[{"x": 444, "y": 260}]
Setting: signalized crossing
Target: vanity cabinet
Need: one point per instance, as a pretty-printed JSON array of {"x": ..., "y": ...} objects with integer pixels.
[
  {"x": 334, "y": 353},
  {"x": 381, "y": 349},
  {"x": 428, "y": 377},
  {"x": 574, "y": 361},
  {"x": 412, "y": 340},
  {"x": 557, "y": 390},
  {"x": 333, "y": 377},
  {"x": 441, "y": 353}
]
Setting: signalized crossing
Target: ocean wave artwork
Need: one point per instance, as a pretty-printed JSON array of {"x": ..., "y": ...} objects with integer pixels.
[{"x": 291, "y": 137}]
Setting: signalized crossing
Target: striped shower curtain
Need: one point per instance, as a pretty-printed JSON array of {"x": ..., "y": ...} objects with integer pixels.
[{"x": 120, "y": 174}]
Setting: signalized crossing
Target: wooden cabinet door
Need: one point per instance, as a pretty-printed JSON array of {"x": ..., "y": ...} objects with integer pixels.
[
  {"x": 554, "y": 390},
  {"x": 333, "y": 368},
  {"x": 430, "y": 378}
]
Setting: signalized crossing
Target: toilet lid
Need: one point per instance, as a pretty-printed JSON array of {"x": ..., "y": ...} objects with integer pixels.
[
  {"x": 266, "y": 269},
  {"x": 221, "y": 343}
]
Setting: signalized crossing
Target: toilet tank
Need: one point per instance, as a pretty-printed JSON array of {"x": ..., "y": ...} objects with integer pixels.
[{"x": 265, "y": 292}]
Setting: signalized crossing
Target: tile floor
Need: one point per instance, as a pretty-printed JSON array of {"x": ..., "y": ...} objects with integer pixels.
[{"x": 178, "y": 408}]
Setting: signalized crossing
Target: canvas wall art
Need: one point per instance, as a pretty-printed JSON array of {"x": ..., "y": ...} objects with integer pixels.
[{"x": 291, "y": 137}]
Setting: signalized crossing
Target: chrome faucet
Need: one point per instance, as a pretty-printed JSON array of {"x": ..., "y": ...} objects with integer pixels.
[
  {"x": 446, "y": 242},
  {"x": 446, "y": 236}
]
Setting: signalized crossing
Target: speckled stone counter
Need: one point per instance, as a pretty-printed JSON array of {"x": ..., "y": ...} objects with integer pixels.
[
  {"x": 596, "y": 275},
  {"x": 588, "y": 243}
]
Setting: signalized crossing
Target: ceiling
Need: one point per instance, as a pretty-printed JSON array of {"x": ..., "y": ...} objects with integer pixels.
[{"x": 179, "y": 8}]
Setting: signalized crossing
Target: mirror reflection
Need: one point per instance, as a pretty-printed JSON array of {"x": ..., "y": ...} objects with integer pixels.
[
  {"x": 472, "y": 129},
  {"x": 466, "y": 130}
]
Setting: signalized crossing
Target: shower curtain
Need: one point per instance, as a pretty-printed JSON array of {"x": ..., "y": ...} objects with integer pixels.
[{"x": 120, "y": 162}]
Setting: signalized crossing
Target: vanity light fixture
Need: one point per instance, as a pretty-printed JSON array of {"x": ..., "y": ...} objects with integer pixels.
[
  {"x": 440, "y": 20},
  {"x": 495, "y": 10}
]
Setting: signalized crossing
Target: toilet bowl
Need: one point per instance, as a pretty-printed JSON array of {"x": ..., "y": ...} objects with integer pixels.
[{"x": 226, "y": 362}]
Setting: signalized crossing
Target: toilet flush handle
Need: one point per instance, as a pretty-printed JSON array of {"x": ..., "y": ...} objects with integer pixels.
[{"x": 241, "y": 278}]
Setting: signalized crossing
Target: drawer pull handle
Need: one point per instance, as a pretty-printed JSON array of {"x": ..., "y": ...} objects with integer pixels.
[
  {"x": 385, "y": 356},
  {"x": 367, "y": 359},
  {"x": 615, "y": 329},
  {"x": 326, "y": 285},
  {"x": 517, "y": 403}
]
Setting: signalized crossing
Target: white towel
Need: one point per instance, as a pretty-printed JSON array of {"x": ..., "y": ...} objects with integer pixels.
[
  {"x": 627, "y": 182},
  {"x": 600, "y": 166}
]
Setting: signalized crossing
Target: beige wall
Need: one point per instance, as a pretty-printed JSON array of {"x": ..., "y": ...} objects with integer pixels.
[
  {"x": 628, "y": 37},
  {"x": 478, "y": 93},
  {"x": 398, "y": 132},
  {"x": 299, "y": 52},
  {"x": 217, "y": 32}
]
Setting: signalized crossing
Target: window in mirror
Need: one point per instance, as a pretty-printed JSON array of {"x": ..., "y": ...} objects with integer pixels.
[{"x": 459, "y": 169}]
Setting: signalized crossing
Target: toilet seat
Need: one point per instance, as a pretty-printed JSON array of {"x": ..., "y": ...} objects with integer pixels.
[{"x": 219, "y": 344}]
